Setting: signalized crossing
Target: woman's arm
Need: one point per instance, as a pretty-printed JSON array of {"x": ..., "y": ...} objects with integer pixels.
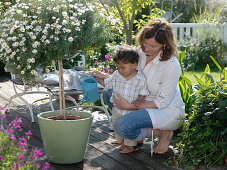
[{"x": 122, "y": 104}]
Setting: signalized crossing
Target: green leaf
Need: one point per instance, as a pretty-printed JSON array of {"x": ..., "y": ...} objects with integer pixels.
[
  {"x": 207, "y": 69},
  {"x": 199, "y": 80},
  {"x": 216, "y": 63},
  {"x": 181, "y": 57},
  {"x": 225, "y": 73},
  {"x": 211, "y": 96},
  {"x": 186, "y": 80}
]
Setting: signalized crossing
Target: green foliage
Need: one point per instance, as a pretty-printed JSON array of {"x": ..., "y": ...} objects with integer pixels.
[
  {"x": 122, "y": 13},
  {"x": 207, "y": 14},
  {"x": 203, "y": 139},
  {"x": 204, "y": 10},
  {"x": 198, "y": 54},
  {"x": 154, "y": 14}
]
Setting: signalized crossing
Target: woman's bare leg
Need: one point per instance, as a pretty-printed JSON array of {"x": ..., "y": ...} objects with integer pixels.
[{"x": 164, "y": 141}]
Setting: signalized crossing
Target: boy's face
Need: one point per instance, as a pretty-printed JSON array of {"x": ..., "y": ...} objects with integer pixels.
[{"x": 126, "y": 70}]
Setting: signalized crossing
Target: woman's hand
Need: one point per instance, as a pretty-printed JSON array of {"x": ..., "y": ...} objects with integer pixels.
[{"x": 121, "y": 103}]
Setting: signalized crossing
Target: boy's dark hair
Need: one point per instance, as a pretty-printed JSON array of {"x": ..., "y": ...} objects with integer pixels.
[{"x": 126, "y": 54}]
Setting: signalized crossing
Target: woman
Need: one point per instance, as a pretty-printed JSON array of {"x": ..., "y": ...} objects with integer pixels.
[{"x": 163, "y": 108}]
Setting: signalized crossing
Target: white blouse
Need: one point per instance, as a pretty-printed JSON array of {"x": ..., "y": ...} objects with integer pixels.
[{"x": 162, "y": 82}]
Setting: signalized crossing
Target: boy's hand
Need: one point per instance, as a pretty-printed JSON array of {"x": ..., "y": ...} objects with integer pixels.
[
  {"x": 99, "y": 74},
  {"x": 137, "y": 103}
]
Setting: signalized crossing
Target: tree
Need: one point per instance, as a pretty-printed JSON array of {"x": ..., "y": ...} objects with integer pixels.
[{"x": 123, "y": 13}]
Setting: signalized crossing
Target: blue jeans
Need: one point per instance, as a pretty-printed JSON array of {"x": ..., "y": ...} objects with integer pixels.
[
  {"x": 134, "y": 125},
  {"x": 106, "y": 98}
]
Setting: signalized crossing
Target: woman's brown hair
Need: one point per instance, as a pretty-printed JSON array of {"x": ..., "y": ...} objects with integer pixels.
[{"x": 162, "y": 32}]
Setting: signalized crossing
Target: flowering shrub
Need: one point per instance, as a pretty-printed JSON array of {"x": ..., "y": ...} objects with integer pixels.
[
  {"x": 106, "y": 66},
  {"x": 14, "y": 153},
  {"x": 33, "y": 33},
  {"x": 99, "y": 61}
]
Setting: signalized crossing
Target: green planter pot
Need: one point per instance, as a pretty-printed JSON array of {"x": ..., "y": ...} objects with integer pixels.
[{"x": 65, "y": 141}]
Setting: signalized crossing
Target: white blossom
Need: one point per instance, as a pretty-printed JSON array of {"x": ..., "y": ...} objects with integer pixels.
[
  {"x": 70, "y": 39},
  {"x": 34, "y": 51}
]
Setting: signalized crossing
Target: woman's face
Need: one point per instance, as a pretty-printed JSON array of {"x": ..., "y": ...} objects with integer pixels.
[{"x": 151, "y": 47}]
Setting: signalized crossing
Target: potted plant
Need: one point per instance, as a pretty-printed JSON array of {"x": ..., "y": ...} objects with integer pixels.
[{"x": 33, "y": 34}]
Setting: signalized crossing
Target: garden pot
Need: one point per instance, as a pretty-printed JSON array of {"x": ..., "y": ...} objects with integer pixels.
[{"x": 65, "y": 141}]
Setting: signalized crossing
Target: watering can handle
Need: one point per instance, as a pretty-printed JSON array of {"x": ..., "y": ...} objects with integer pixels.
[{"x": 87, "y": 76}]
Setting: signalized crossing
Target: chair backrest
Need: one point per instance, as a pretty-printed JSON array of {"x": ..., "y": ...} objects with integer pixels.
[{"x": 89, "y": 87}]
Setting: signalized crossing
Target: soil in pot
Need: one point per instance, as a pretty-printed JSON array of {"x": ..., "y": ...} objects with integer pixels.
[{"x": 69, "y": 117}]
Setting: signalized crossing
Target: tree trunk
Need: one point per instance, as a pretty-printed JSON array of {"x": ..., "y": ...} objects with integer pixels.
[{"x": 61, "y": 89}]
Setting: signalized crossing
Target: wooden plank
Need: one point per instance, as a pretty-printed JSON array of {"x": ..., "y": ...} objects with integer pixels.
[
  {"x": 113, "y": 153},
  {"x": 142, "y": 154}
]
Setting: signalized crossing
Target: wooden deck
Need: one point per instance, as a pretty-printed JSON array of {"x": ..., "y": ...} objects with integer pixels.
[{"x": 100, "y": 153}]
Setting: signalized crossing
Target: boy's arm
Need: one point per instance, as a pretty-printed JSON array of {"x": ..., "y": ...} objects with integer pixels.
[{"x": 100, "y": 81}]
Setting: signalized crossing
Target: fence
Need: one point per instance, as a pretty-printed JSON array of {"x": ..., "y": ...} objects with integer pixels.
[{"x": 191, "y": 32}]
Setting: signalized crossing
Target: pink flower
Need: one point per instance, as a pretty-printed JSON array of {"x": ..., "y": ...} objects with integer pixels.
[
  {"x": 107, "y": 57},
  {"x": 46, "y": 166},
  {"x": 21, "y": 157},
  {"x": 112, "y": 70},
  {"x": 22, "y": 143},
  {"x": 15, "y": 167},
  {"x": 9, "y": 131},
  {"x": 105, "y": 70},
  {"x": 4, "y": 108},
  {"x": 38, "y": 165},
  {"x": 4, "y": 116},
  {"x": 29, "y": 133},
  {"x": 37, "y": 153},
  {"x": 15, "y": 123},
  {"x": 17, "y": 127},
  {"x": 23, "y": 139},
  {"x": 12, "y": 137},
  {"x": 96, "y": 63},
  {"x": 1, "y": 157},
  {"x": 23, "y": 149}
]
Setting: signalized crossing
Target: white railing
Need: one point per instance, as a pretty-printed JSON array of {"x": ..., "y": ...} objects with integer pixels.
[
  {"x": 192, "y": 32},
  {"x": 187, "y": 32}
]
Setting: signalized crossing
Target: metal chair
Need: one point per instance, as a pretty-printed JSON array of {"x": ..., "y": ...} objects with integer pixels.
[{"x": 21, "y": 89}]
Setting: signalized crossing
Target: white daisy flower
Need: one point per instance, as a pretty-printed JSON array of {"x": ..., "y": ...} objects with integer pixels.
[
  {"x": 34, "y": 51},
  {"x": 70, "y": 39}
]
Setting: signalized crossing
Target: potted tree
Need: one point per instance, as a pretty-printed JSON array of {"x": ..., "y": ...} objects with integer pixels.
[{"x": 33, "y": 34}]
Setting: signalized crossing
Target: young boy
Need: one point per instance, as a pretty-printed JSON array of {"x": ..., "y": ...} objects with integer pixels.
[{"x": 130, "y": 84}]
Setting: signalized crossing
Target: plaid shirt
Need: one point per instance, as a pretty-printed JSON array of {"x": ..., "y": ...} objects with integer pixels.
[{"x": 129, "y": 89}]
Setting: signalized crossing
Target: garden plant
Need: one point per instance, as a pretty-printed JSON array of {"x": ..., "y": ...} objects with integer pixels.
[
  {"x": 202, "y": 139},
  {"x": 33, "y": 37},
  {"x": 15, "y": 152}
]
